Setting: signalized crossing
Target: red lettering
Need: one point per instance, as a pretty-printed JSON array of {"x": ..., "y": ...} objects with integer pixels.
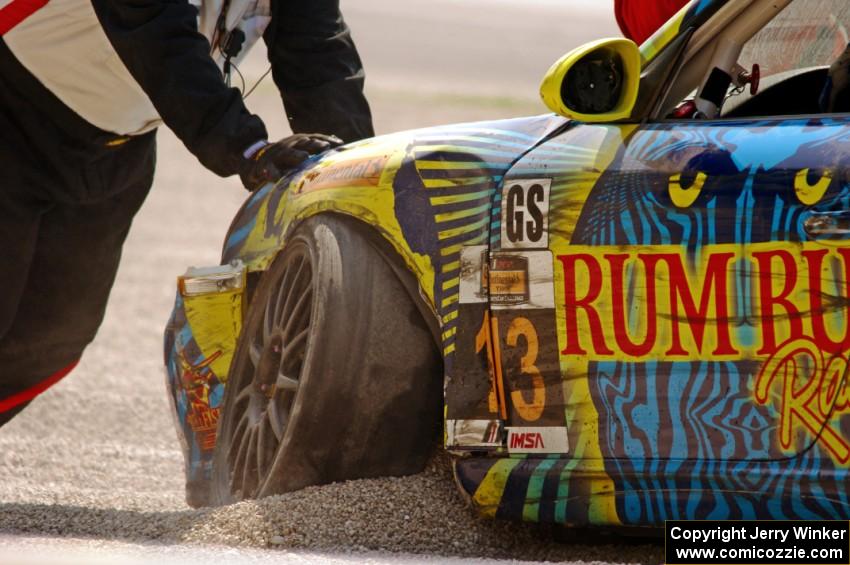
[
  {"x": 805, "y": 388},
  {"x": 815, "y": 263},
  {"x": 715, "y": 284},
  {"x": 769, "y": 302},
  {"x": 620, "y": 308},
  {"x": 572, "y": 304},
  {"x": 527, "y": 441},
  {"x": 517, "y": 440},
  {"x": 700, "y": 302}
]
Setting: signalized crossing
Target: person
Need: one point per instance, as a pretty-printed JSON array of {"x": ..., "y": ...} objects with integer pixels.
[
  {"x": 638, "y": 20},
  {"x": 83, "y": 87}
]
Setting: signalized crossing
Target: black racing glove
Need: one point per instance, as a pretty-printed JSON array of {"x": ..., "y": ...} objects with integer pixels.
[{"x": 268, "y": 162}]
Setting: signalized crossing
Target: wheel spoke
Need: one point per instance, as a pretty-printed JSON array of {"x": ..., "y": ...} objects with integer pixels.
[
  {"x": 274, "y": 420},
  {"x": 293, "y": 346},
  {"x": 272, "y": 314},
  {"x": 296, "y": 317},
  {"x": 249, "y": 474},
  {"x": 296, "y": 290},
  {"x": 240, "y": 429},
  {"x": 276, "y": 299},
  {"x": 275, "y": 302},
  {"x": 255, "y": 352},
  {"x": 261, "y": 448},
  {"x": 286, "y": 408},
  {"x": 286, "y": 383},
  {"x": 297, "y": 278},
  {"x": 287, "y": 287},
  {"x": 244, "y": 394},
  {"x": 267, "y": 323},
  {"x": 238, "y": 470}
]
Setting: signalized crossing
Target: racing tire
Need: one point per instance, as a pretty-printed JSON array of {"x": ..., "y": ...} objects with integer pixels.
[{"x": 336, "y": 375}]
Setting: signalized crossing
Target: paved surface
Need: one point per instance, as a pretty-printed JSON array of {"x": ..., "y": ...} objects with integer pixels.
[{"x": 92, "y": 472}]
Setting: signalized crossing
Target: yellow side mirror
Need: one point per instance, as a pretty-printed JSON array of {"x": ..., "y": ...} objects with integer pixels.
[{"x": 597, "y": 82}]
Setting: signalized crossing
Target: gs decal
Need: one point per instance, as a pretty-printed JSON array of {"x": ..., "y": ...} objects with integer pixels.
[{"x": 525, "y": 214}]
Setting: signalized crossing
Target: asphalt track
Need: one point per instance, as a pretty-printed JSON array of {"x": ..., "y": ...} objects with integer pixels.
[{"x": 91, "y": 471}]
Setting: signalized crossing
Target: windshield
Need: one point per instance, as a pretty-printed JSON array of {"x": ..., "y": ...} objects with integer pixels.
[{"x": 808, "y": 33}]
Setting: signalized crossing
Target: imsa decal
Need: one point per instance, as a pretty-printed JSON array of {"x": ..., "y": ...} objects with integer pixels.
[{"x": 538, "y": 440}]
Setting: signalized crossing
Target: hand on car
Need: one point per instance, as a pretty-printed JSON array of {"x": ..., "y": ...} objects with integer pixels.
[{"x": 267, "y": 163}]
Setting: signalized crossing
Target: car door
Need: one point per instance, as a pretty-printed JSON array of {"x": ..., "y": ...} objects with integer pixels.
[
  {"x": 700, "y": 296},
  {"x": 699, "y": 272}
]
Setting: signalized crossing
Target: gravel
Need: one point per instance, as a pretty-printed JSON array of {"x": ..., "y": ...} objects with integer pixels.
[{"x": 423, "y": 514}]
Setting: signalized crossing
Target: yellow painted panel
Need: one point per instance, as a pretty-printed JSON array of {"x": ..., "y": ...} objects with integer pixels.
[
  {"x": 216, "y": 322},
  {"x": 490, "y": 491}
]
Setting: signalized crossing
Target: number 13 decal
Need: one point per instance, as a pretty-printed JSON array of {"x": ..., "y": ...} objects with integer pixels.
[{"x": 529, "y": 410}]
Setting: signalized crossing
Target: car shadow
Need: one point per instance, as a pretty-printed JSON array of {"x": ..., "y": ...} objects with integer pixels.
[{"x": 260, "y": 529}]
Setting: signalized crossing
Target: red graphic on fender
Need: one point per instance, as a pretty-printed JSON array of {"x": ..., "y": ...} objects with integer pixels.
[
  {"x": 203, "y": 419},
  {"x": 17, "y": 11}
]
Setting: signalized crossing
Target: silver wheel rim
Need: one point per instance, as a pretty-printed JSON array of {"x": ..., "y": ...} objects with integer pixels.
[{"x": 268, "y": 379}]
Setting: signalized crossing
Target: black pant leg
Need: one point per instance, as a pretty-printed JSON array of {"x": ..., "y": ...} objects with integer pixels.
[
  {"x": 20, "y": 216},
  {"x": 72, "y": 269}
]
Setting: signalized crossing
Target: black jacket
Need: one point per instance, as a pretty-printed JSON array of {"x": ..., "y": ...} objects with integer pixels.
[{"x": 314, "y": 63}]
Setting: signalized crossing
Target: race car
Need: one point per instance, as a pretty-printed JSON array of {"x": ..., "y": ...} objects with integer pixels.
[{"x": 632, "y": 309}]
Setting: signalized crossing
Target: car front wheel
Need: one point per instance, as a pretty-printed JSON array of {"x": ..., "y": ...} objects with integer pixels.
[{"x": 335, "y": 376}]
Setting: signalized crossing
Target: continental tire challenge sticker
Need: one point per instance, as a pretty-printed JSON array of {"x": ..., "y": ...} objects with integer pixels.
[{"x": 521, "y": 280}]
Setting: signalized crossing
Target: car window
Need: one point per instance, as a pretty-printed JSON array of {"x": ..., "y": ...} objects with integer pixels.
[{"x": 808, "y": 33}]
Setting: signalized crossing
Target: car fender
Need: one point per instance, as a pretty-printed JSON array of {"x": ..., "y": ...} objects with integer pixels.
[
  {"x": 423, "y": 193},
  {"x": 421, "y": 196}
]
